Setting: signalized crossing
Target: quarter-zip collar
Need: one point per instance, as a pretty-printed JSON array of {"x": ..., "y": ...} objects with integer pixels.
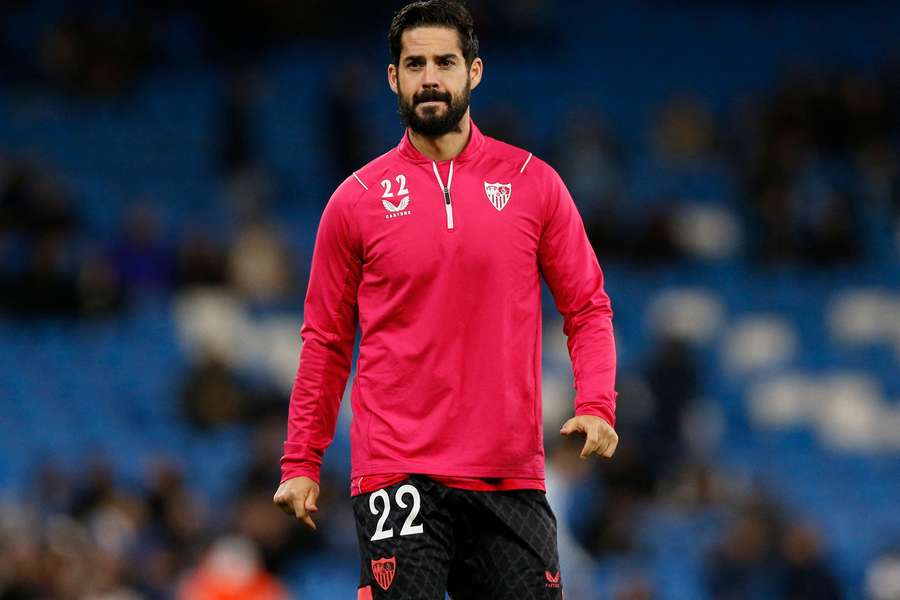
[{"x": 471, "y": 150}]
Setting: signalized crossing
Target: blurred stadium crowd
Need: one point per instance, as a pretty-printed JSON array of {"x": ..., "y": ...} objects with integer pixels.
[{"x": 162, "y": 170}]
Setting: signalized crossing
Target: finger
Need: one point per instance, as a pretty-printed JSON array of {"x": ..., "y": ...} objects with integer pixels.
[
  {"x": 602, "y": 447},
  {"x": 611, "y": 448},
  {"x": 311, "y": 499},
  {"x": 591, "y": 443},
  {"x": 608, "y": 444},
  {"x": 301, "y": 513},
  {"x": 570, "y": 426},
  {"x": 282, "y": 503}
]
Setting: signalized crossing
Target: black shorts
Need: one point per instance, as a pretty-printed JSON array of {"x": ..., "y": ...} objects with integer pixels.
[{"x": 419, "y": 539}]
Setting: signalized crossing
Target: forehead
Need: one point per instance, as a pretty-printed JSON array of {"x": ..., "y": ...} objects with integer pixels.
[{"x": 430, "y": 41}]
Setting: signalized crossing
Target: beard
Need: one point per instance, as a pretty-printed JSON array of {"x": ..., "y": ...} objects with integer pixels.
[{"x": 432, "y": 124}]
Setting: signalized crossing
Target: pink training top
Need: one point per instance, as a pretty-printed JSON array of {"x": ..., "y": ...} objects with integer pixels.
[{"x": 440, "y": 262}]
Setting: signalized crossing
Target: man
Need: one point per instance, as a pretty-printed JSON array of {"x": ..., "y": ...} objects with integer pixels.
[{"x": 437, "y": 248}]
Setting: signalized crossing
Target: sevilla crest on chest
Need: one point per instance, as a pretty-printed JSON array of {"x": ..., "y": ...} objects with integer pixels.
[{"x": 498, "y": 193}]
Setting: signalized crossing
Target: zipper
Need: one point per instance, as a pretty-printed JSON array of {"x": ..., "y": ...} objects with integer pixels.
[{"x": 448, "y": 206}]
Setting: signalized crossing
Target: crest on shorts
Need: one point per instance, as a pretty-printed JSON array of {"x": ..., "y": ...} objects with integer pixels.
[
  {"x": 384, "y": 569},
  {"x": 552, "y": 580},
  {"x": 498, "y": 193}
]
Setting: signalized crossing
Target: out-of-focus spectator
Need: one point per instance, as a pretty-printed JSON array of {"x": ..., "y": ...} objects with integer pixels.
[
  {"x": 883, "y": 576},
  {"x": 201, "y": 262},
  {"x": 238, "y": 147},
  {"x": 34, "y": 201},
  {"x": 101, "y": 539},
  {"x": 45, "y": 287},
  {"x": 591, "y": 163},
  {"x": 504, "y": 121},
  {"x": 635, "y": 588},
  {"x": 232, "y": 571},
  {"x": 745, "y": 565},
  {"x": 278, "y": 542},
  {"x": 248, "y": 184},
  {"x": 143, "y": 260},
  {"x": 99, "y": 288},
  {"x": 42, "y": 272},
  {"x": 696, "y": 486},
  {"x": 526, "y": 24},
  {"x": 880, "y": 174},
  {"x": 48, "y": 288},
  {"x": 684, "y": 134},
  {"x": 807, "y": 221},
  {"x": 84, "y": 55},
  {"x": 627, "y": 483},
  {"x": 179, "y": 517},
  {"x": 21, "y": 555},
  {"x": 818, "y": 136},
  {"x": 211, "y": 395},
  {"x": 256, "y": 518},
  {"x": 806, "y": 573},
  {"x": 258, "y": 263},
  {"x": 672, "y": 379},
  {"x": 97, "y": 487},
  {"x": 15, "y": 66},
  {"x": 347, "y": 135}
]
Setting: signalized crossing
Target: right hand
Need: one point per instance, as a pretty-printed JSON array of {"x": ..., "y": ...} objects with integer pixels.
[{"x": 297, "y": 497}]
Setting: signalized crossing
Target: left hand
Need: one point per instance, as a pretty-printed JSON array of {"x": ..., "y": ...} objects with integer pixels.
[{"x": 601, "y": 437}]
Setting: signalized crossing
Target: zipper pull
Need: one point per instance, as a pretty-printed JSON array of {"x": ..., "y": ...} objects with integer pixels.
[
  {"x": 449, "y": 208},
  {"x": 446, "y": 190}
]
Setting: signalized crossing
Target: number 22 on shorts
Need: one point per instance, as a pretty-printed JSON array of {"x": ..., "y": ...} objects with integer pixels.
[{"x": 409, "y": 527}]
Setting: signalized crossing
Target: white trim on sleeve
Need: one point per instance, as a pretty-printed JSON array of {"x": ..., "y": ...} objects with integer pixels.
[
  {"x": 522, "y": 170},
  {"x": 361, "y": 182}
]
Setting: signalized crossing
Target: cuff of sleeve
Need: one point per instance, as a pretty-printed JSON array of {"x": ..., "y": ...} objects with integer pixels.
[
  {"x": 292, "y": 465},
  {"x": 605, "y": 408}
]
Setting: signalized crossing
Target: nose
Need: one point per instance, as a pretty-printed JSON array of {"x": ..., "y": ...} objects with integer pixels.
[{"x": 429, "y": 77}]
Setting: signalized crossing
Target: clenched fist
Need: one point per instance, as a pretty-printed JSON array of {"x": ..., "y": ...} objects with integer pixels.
[
  {"x": 601, "y": 438},
  {"x": 297, "y": 497}
]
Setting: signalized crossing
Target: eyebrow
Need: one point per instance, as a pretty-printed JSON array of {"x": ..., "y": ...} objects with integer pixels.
[{"x": 419, "y": 57}]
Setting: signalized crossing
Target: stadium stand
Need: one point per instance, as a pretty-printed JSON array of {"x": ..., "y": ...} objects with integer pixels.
[{"x": 739, "y": 179}]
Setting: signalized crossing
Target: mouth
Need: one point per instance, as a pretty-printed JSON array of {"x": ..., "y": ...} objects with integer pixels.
[{"x": 431, "y": 103}]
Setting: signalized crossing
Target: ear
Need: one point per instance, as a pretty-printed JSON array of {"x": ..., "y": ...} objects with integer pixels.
[
  {"x": 476, "y": 69},
  {"x": 392, "y": 77}
]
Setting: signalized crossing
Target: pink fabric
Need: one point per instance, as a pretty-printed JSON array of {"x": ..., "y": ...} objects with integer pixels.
[
  {"x": 448, "y": 376},
  {"x": 366, "y": 484}
]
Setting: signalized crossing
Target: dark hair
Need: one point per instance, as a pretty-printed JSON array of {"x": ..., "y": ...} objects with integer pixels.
[{"x": 435, "y": 13}]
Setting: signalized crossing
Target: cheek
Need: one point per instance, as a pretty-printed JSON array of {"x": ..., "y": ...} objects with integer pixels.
[
  {"x": 406, "y": 86},
  {"x": 457, "y": 83}
]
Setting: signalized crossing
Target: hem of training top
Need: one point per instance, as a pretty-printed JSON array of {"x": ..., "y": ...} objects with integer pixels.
[{"x": 383, "y": 468}]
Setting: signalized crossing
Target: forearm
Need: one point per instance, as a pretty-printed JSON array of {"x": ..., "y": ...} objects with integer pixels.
[
  {"x": 592, "y": 349},
  {"x": 314, "y": 405}
]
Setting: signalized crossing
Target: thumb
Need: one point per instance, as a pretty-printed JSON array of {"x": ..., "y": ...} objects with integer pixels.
[
  {"x": 570, "y": 426},
  {"x": 311, "y": 498}
]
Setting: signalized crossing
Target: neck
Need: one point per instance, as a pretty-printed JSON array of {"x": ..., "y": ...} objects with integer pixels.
[{"x": 446, "y": 146}]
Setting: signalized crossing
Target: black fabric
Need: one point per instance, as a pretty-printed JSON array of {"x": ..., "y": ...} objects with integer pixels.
[{"x": 474, "y": 545}]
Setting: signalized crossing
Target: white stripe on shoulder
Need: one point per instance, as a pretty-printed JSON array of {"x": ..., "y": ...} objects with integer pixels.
[
  {"x": 364, "y": 185},
  {"x": 522, "y": 170}
]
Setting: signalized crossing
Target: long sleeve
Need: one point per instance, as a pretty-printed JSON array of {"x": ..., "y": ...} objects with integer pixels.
[
  {"x": 328, "y": 332},
  {"x": 569, "y": 265}
]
